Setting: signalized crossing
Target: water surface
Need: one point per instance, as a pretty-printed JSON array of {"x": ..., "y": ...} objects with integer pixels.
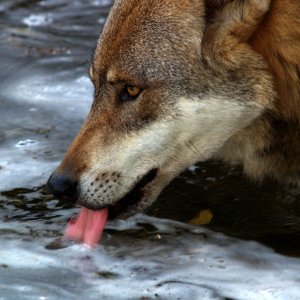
[{"x": 248, "y": 250}]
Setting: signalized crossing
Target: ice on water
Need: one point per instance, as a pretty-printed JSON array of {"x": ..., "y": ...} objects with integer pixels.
[
  {"x": 42, "y": 108},
  {"x": 25, "y": 155},
  {"x": 176, "y": 261},
  {"x": 37, "y": 20}
]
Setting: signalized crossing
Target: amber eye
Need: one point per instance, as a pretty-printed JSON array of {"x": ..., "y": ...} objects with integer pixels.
[
  {"x": 133, "y": 91},
  {"x": 130, "y": 93}
]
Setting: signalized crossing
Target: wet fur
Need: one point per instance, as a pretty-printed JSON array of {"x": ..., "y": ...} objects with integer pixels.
[{"x": 220, "y": 80}]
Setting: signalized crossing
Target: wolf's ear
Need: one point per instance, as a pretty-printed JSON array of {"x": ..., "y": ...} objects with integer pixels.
[{"x": 230, "y": 25}]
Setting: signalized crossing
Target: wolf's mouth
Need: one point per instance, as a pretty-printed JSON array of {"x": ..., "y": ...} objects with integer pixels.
[{"x": 133, "y": 196}]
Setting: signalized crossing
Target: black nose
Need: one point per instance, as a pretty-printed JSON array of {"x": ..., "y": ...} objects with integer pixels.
[{"x": 61, "y": 186}]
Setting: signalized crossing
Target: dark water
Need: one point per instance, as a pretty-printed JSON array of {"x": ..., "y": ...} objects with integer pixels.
[
  {"x": 45, "y": 52},
  {"x": 264, "y": 212}
]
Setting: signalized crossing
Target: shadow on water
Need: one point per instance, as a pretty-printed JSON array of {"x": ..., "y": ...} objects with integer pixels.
[{"x": 264, "y": 212}]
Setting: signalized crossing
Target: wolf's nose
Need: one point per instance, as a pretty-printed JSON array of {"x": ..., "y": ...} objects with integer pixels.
[{"x": 61, "y": 186}]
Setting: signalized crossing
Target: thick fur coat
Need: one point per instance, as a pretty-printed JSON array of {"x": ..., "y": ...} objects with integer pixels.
[{"x": 180, "y": 82}]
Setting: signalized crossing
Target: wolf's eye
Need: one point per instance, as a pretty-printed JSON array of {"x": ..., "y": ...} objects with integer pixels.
[
  {"x": 133, "y": 91},
  {"x": 130, "y": 93}
]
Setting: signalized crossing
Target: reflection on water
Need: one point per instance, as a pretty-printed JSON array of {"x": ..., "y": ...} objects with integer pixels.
[{"x": 44, "y": 96}]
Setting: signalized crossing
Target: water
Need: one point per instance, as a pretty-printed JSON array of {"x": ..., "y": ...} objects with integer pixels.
[{"x": 252, "y": 253}]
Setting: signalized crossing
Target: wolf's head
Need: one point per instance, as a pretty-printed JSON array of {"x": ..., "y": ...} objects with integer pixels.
[{"x": 171, "y": 87}]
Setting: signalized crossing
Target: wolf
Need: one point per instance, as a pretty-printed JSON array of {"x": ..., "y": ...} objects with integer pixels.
[{"x": 181, "y": 82}]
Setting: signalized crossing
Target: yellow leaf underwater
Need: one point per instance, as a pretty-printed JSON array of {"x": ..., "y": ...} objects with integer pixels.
[{"x": 204, "y": 217}]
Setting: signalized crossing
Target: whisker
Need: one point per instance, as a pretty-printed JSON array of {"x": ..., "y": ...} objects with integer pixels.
[{"x": 194, "y": 149}]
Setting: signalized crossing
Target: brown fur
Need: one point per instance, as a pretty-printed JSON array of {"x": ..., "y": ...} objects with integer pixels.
[
  {"x": 271, "y": 146},
  {"x": 244, "y": 51},
  {"x": 106, "y": 113}
]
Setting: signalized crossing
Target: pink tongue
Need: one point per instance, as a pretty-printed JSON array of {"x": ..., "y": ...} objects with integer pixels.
[{"x": 88, "y": 226}]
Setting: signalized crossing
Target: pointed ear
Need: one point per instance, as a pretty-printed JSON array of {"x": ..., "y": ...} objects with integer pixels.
[{"x": 230, "y": 24}]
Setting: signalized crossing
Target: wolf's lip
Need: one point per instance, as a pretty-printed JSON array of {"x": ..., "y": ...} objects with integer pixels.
[{"x": 133, "y": 196}]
